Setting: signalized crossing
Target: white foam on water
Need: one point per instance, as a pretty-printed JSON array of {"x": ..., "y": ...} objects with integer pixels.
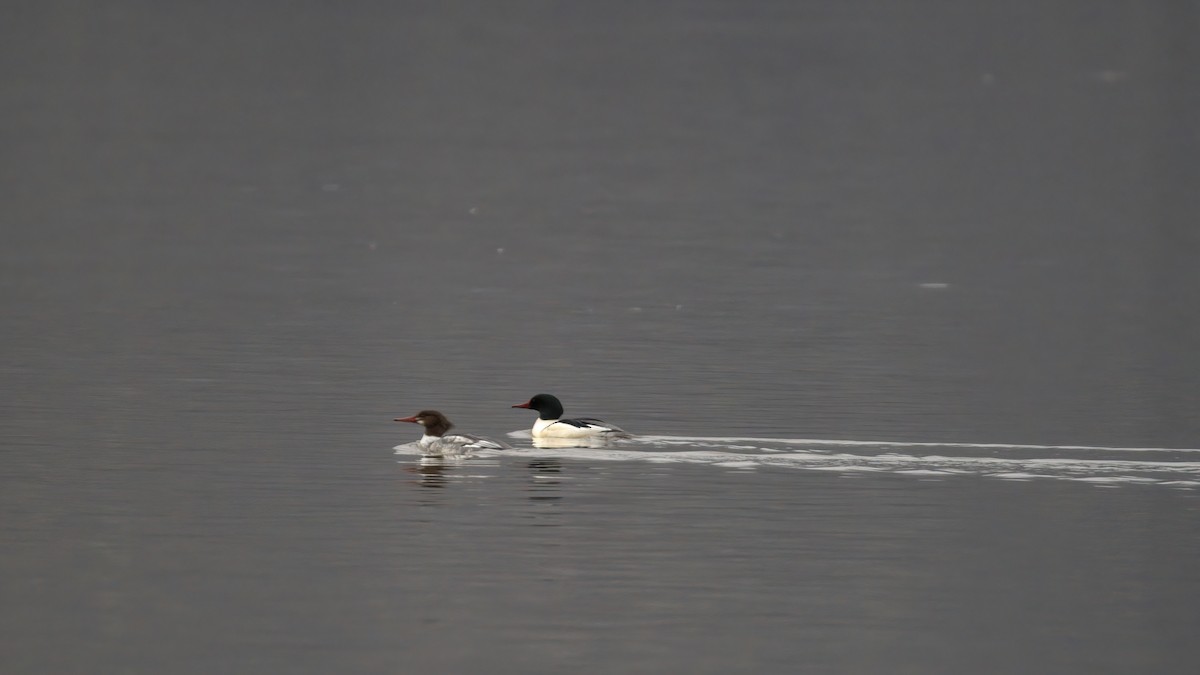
[
  {"x": 738, "y": 465},
  {"x": 1113, "y": 479},
  {"x": 1005, "y": 462},
  {"x": 892, "y": 444},
  {"x": 860, "y": 468}
]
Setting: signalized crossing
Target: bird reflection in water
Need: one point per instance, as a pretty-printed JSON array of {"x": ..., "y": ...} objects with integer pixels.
[
  {"x": 430, "y": 472},
  {"x": 546, "y": 480}
]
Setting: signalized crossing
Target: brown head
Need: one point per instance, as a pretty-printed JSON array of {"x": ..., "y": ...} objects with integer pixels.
[{"x": 435, "y": 423}]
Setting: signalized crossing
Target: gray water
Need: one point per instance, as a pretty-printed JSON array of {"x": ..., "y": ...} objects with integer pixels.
[{"x": 900, "y": 302}]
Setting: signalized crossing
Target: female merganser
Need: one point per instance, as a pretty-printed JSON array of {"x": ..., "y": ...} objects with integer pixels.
[
  {"x": 550, "y": 424},
  {"x": 435, "y": 442}
]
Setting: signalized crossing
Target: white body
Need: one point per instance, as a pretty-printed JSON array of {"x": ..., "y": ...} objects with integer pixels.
[
  {"x": 452, "y": 445},
  {"x": 590, "y": 429}
]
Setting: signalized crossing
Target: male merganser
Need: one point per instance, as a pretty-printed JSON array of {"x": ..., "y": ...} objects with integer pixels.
[
  {"x": 550, "y": 424},
  {"x": 436, "y": 443}
]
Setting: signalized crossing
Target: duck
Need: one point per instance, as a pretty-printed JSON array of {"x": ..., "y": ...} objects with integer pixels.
[
  {"x": 550, "y": 423},
  {"x": 435, "y": 442}
]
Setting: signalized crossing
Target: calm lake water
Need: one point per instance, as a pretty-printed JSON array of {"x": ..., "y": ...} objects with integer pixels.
[{"x": 900, "y": 303}]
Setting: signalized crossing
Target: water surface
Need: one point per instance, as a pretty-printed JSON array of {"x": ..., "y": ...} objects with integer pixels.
[{"x": 239, "y": 240}]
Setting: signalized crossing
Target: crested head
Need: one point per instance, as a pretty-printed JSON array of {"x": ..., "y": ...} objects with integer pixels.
[
  {"x": 435, "y": 423},
  {"x": 548, "y": 407}
]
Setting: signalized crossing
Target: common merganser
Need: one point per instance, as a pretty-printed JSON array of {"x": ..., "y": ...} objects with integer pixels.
[
  {"x": 550, "y": 424},
  {"x": 436, "y": 443}
]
